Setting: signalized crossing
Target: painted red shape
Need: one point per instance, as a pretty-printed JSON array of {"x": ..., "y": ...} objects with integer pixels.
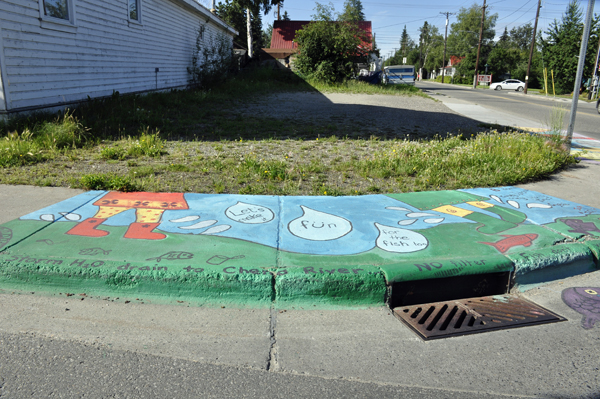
[
  {"x": 512, "y": 241},
  {"x": 143, "y": 231},
  {"x": 87, "y": 228}
]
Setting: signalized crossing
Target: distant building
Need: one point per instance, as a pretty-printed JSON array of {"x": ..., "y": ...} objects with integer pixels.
[
  {"x": 450, "y": 69},
  {"x": 54, "y": 53}
]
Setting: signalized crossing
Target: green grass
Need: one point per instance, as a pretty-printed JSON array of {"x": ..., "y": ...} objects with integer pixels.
[
  {"x": 357, "y": 87},
  {"x": 106, "y": 182},
  {"x": 191, "y": 141},
  {"x": 41, "y": 139}
]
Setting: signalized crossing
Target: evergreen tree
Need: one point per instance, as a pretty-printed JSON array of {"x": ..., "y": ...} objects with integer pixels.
[
  {"x": 353, "y": 11},
  {"x": 504, "y": 40},
  {"x": 560, "y": 47},
  {"x": 285, "y": 16},
  {"x": 266, "y": 36},
  {"x": 406, "y": 43}
]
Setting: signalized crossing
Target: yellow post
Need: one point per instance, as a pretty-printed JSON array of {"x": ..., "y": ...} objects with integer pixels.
[
  {"x": 546, "y": 80},
  {"x": 553, "y": 91}
]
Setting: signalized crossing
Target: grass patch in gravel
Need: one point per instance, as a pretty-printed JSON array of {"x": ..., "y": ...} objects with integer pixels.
[
  {"x": 315, "y": 167},
  {"x": 190, "y": 141},
  {"x": 358, "y": 87}
]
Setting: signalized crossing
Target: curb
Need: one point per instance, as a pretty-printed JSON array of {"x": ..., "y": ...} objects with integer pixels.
[{"x": 262, "y": 251}]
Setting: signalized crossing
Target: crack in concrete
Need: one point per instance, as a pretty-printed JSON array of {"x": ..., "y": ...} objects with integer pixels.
[{"x": 272, "y": 359}]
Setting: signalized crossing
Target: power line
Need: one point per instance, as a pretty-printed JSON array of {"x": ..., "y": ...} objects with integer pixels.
[{"x": 500, "y": 19}]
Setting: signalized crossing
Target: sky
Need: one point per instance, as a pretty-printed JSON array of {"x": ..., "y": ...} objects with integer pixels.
[{"x": 389, "y": 17}]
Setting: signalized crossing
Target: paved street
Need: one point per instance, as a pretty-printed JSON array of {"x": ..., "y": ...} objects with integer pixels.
[
  {"x": 534, "y": 108},
  {"x": 74, "y": 346}
]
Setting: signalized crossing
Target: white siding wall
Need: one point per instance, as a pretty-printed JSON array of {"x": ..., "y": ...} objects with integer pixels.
[{"x": 106, "y": 53}]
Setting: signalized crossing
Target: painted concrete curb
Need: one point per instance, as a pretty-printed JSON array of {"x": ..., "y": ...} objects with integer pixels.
[{"x": 294, "y": 251}]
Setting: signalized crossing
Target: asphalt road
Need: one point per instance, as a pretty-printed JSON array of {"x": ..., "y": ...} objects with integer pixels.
[{"x": 527, "y": 106}]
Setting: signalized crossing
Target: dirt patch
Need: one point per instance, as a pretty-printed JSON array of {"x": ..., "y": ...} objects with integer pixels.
[{"x": 360, "y": 114}]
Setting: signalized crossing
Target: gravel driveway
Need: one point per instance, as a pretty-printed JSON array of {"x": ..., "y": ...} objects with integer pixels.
[{"x": 364, "y": 114}]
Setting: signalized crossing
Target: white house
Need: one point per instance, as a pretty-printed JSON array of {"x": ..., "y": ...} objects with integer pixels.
[{"x": 54, "y": 53}]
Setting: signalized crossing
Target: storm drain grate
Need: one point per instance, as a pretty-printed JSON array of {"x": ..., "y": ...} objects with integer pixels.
[{"x": 473, "y": 315}]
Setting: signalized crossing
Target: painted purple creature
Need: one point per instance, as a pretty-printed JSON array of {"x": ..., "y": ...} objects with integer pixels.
[{"x": 585, "y": 300}]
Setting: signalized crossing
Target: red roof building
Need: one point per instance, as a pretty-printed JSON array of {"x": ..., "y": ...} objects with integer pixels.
[{"x": 284, "y": 32}]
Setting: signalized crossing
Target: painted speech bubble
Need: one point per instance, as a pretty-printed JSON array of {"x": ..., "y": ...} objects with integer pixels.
[
  {"x": 319, "y": 226},
  {"x": 393, "y": 239},
  {"x": 249, "y": 213}
]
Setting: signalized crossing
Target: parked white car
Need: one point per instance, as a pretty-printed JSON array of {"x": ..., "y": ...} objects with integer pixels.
[{"x": 510, "y": 84}]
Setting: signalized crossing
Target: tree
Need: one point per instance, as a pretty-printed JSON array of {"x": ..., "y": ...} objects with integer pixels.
[
  {"x": 504, "y": 40},
  {"x": 521, "y": 36},
  {"x": 353, "y": 11},
  {"x": 328, "y": 50},
  {"x": 234, "y": 13},
  {"x": 251, "y": 9},
  {"x": 463, "y": 38},
  {"x": 266, "y": 36},
  {"x": 323, "y": 12},
  {"x": 432, "y": 47},
  {"x": 560, "y": 47},
  {"x": 286, "y": 16},
  {"x": 406, "y": 43}
]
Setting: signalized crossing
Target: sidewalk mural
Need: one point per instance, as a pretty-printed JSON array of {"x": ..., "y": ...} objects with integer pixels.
[
  {"x": 325, "y": 225},
  {"x": 472, "y": 228},
  {"x": 584, "y": 300},
  {"x": 586, "y": 148}
]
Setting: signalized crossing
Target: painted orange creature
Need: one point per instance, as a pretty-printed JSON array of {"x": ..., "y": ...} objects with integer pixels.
[
  {"x": 149, "y": 208},
  {"x": 512, "y": 241}
]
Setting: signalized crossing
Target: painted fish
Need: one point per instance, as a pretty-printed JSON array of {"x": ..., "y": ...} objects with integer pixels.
[
  {"x": 579, "y": 226},
  {"x": 512, "y": 241},
  {"x": 173, "y": 255},
  {"x": 94, "y": 251}
]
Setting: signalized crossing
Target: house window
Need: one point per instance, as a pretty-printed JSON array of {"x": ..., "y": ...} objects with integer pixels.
[
  {"x": 57, "y": 9},
  {"x": 134, "y": 10},
  {"x": 58, "y": 15}
]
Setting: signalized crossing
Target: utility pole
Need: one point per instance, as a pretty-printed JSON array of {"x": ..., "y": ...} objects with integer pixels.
[
  {"x": 580, "y": 64},
  {"x": 278, "y": 11},
  {"x": 445, "y": 38},
  {"x": 537, "y": 14},
  {"x": 479, "y": 46}
]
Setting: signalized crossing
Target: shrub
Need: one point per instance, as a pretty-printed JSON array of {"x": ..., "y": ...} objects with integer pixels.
[
  {"x": 110, "y": 182},
  {"x": 212, "y": 60},
  {"x": 327, "y": 51}
]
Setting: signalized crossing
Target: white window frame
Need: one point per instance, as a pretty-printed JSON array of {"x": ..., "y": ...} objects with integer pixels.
[
  {"x": 63, "y": 25},
  {"x": 137, "y": 21}
]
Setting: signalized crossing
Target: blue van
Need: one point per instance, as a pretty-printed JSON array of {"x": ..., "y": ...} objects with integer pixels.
[{"x": 399, "y": 74}]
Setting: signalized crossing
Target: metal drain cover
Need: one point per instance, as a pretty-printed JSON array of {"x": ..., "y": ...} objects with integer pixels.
[{"x": 473, "y": 315}]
